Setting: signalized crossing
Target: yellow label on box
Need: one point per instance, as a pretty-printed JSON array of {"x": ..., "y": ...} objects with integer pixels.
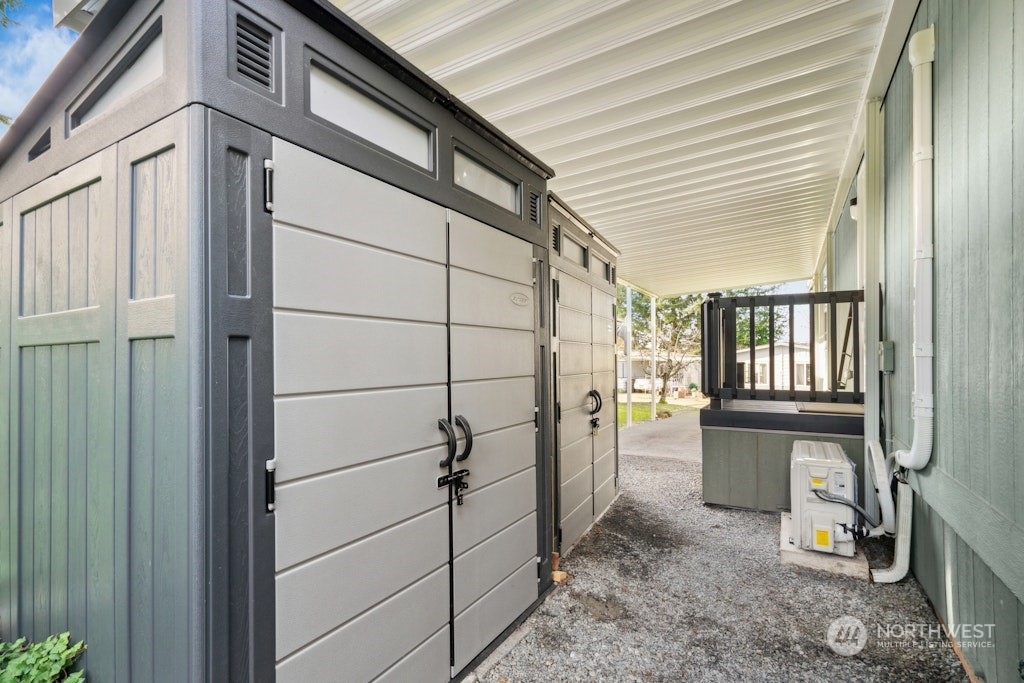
[
  {"x": 822, "y": 537},
  {"x": 817, "y": 482}
]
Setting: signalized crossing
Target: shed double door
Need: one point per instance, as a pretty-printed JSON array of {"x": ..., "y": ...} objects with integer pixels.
[
  {"x": 585, "y": 403},
  {"x": 399, "y": 326}
]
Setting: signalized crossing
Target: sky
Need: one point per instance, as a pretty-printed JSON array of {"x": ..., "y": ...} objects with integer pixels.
[{"x": 29, "y": 49}]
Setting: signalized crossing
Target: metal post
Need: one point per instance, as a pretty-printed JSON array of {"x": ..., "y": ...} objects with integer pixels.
[
  {"x": 654, "y": 357},
  {"x": 629, "y": 356},
  {"x": 871, "y": 201}
]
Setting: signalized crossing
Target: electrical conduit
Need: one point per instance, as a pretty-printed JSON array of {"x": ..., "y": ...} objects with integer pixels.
[{"x": 922, "y": 54}]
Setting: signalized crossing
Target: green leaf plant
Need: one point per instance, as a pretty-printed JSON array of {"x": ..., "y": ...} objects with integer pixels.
[{"x": 44, "y": 662}]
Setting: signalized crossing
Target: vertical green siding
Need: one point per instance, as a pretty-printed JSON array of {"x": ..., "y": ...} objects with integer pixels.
[
  {"x": 844, "y": 248},
  {"x": 750, "y": 468},
  {"x": 96, "y": 442},
  {"x": 968, "y": 540}
]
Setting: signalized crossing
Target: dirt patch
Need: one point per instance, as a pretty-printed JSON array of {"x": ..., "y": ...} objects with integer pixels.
[
  {"x": 635, "y": 540},
  {"x": 603, "y": 609},
  {"x": 639, "y": 525}
]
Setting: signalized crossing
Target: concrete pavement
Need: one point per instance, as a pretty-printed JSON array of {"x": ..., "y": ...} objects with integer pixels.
[{"x": 676, "y": 437}]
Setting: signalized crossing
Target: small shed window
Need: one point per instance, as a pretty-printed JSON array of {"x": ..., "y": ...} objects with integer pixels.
[
  {"x": 349, "y": 108},
  {"x": 574, "y": 251},
  {"x": 480, "y": 180}
]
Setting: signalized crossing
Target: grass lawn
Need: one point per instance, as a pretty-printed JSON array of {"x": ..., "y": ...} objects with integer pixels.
[{"x": 642, "y": 411}]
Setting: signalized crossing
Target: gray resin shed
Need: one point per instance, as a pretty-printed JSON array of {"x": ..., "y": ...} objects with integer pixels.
[{"x": 266, "y": 294}]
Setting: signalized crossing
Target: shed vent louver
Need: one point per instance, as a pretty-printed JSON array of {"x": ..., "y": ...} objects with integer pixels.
[
  {"x": 254, "y": 53},
  {"x": 535, "y": 208},
  {"x": 556, "y": 239}
]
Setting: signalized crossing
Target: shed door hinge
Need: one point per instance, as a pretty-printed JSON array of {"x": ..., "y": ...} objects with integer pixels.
[
  {"x": 558, "y": 412},
  {"x": 271, "y": 469},
  {"x": 557, "y": 293},
  {"x": 536, "y": 419},
  {"x": 268, "y": 185}
]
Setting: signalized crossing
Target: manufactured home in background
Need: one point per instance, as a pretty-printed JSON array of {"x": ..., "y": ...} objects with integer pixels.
[{"x": 293, "y": 354}]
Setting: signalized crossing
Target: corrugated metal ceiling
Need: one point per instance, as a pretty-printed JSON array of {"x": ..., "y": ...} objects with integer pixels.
[{"x": 710, "y": 141}]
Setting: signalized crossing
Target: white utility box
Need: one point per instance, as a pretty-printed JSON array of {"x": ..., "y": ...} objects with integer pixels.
[{"x": 817, "y": 523}]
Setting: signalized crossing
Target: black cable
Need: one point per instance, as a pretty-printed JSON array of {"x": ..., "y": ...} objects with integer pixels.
[{"x": 831, "y": 498}]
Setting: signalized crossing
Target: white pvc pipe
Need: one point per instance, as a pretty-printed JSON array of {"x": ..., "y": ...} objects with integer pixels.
[
  {"x": 901, "y": 561},
  {"x": 880, "y": 476},
  {"x": 922, "y": 54}
]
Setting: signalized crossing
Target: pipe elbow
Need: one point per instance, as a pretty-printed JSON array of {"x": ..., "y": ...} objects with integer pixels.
[{"x": 920, "y": 452}]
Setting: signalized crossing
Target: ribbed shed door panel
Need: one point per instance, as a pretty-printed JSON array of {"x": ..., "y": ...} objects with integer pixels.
[
  {"x": 585, "y": 337},
  {"x": 493, "y": 387},
  {"x": 360, "y": 362}
]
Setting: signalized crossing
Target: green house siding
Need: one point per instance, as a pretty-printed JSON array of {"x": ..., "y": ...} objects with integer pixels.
[
  {"x": 844, "y": 248},
  {"x": 968, "y": 539}
]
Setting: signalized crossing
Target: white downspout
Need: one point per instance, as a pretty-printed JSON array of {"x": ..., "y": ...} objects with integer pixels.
[{"x": 922, "y": 54}]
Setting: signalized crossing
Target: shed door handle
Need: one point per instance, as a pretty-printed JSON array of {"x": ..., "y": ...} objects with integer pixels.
[
  {"x": 463, "y": 424},
  {"x": 598, "y": 403},
  {"x": 446, "y": 427}
]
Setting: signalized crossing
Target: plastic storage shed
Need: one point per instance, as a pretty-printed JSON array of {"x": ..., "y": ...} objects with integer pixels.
[
  {"x": 583, "y": 345},
  {"x": 256, "y": 274}
]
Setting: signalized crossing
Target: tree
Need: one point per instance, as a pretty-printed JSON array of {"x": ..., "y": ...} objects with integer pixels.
[
  {"x": 6, "y": 8},
  {"x": 761, "y": 326},
  {"x": 679, "y": 329},
  {"x": 678, "y": 334}
]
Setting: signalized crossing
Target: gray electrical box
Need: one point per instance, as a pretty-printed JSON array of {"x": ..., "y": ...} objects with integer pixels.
[{"x": 887, "y": 356}]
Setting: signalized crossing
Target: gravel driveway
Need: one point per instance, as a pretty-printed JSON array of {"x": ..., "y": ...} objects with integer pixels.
[{"x": 666, "y": 589}]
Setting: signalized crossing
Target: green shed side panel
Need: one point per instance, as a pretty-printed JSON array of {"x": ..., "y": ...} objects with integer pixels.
[
  {"x": 969, "y": 517},
  {"x": 6, "y": 500},
  {"x": 95, "y": 355},
  {"x": 60, "y": 423}
]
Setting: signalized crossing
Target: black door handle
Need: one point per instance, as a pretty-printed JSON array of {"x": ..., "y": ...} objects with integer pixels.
[
  {"x": 446, "y": 427},
  {"x": 596, "y": 395},
  {"x": 463, "y": 424}
]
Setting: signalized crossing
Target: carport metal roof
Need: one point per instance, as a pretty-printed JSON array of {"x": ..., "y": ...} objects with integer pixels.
[{"x": 712, "y": 141}]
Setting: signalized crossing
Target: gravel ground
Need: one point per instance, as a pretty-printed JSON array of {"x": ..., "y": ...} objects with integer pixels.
[{"x": 664, "y": 588}]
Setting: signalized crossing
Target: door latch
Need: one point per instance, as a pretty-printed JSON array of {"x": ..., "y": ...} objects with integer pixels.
[
  {"x": 455, "y": 479},
  {"x": 595, "y": 425}
]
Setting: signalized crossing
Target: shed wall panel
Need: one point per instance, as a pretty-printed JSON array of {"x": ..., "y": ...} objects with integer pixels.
[
  {"x": 152, "y": 400},
  {"x": 8, "y": 502},
  {"x": 61, "y": 561}
]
